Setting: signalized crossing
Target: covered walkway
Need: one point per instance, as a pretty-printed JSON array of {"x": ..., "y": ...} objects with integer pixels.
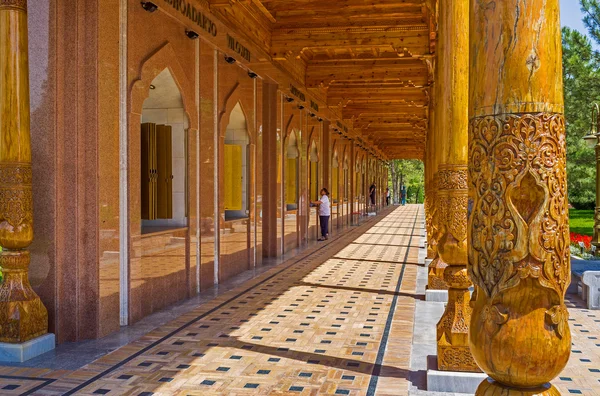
[
  {"x": 343, "y": 318},
  {"x": 336, "y": 319}
]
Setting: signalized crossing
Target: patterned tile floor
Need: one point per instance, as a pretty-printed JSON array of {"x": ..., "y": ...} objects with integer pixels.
[
  {"x": 582, "y": 374},
  {"x": 337, "y": 319}
]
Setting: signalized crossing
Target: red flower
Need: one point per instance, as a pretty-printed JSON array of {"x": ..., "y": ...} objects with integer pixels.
[{"x": 586, "y": 239}]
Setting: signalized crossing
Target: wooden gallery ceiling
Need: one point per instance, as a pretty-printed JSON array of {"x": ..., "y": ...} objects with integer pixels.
[{"x": 371, "y": 58}]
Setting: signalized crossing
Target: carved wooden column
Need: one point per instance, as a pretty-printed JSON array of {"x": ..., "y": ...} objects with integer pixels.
[
  {"x": 435, "y": 274},
  {"x": 22, "y": 314},
  {"x": 429, "y": 190},
  {"x": 453, "y": 327},
  {"x": 518, "y": 223}
]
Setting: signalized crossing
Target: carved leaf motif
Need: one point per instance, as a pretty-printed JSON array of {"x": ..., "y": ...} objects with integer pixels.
[
  {"x": 492, "y": 318},
  {"x": 518, "y": 225},
  {"x": 558, "y": 316}
]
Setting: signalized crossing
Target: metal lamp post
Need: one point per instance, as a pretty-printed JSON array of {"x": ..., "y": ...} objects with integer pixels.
[{"x": 593, "y": 140}]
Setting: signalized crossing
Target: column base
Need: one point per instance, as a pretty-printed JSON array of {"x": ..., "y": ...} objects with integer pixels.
[
  {"x": 489, "y": 387},
  {"x": 451, "y": 381},
  {"x": 440, "y": 295},
  {"x": 436, "y": 295},
  {"x": 27, "y": 350}
]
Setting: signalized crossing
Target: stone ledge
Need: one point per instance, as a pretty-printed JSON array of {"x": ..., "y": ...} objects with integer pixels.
[
  {"x": 27, "y": 350},
  {"x": 451, "y": 381}
]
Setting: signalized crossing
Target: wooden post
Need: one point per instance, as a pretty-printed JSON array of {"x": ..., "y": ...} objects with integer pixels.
[
  {"x": 518, "y": 223},
  {"x": 435, "y": 276},
  {"x": 429, "y": 187},
  {"x": 22, "y": 314},
  {"x": 453, "y": 327}
]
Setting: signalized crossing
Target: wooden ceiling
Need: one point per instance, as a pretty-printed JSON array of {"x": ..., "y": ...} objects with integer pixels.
[{"x": 371, "y": 59}]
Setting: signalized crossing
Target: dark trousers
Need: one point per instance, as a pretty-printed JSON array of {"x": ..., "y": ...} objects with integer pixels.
[{"x": 324, "y": 220}]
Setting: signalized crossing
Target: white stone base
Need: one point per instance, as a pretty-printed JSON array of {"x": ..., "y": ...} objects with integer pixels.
[
  {"x": 27, "y": 350},
  {"x": 427, "y": 262},
  {"x": 451, "y": 381},
  {"x": 439, "y": 295},
  {"x": 436, "y": 295}
]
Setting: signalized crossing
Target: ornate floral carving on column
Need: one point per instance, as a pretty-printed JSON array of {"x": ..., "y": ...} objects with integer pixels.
[
  {"x": 453, "y": 327},
  {"x": 435, "y": 275},
  {"x": 519, "y": 255},
  {"x": 22, "y": 314}
]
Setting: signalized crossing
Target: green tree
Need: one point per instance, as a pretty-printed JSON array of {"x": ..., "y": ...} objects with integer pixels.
[
  {"x": 591, "y": 17},
  {"x": 582, "y": 87},
  {"x": 410, "y": 174}
]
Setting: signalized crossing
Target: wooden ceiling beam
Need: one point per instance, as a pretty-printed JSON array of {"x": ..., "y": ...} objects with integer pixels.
[
  {"x": 364, "y": 110},
  {"x": 291, "y": 42},
  {"x": 365, "y": 93},
  {"x": 372, "y": 7}
]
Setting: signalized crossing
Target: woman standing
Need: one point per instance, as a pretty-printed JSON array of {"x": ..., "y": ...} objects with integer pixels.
[{"x": 324, "y": 213}]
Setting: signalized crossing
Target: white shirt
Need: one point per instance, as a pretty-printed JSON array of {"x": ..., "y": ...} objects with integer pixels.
[{"x": 324, "y": 209}]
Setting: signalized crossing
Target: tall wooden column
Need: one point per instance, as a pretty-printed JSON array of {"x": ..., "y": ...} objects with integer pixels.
[
  {"x": 518, "y": 223},
  {"x": 22, "y": 314},
  {"x": 453, "y": 327},
  {"x": 429, "y": 188},
  {"x": 439, "y": 144}
]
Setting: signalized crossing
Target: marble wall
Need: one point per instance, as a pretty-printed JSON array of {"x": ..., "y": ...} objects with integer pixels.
[{"x": 90, "y": 257}]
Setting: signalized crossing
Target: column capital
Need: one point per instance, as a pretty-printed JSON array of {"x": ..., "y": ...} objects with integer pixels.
[{"x": 13, "y": 4}]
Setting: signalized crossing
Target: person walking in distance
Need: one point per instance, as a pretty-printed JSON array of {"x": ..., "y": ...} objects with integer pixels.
[
  {"x": 372, "y": 190},
  {"x": 387, "y": 196},
  {"x": 324, "y": 213},
  {"x": 403, "y": 195}
]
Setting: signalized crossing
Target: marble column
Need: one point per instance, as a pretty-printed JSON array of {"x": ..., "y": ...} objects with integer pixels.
[
  {"x": 22, "y": 314},
  {"x": 518, "y": 221},
  {"x": 453, "y": 68},
  {"x": 269, "y": 136}
]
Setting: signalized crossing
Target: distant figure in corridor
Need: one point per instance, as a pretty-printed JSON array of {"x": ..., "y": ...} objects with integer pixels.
[
  {"x": 324, "y": 213},
  {"x": 372, "y": 194},
  {"x": 403, "y": 195},
  {"x": 387, "y": 196}
]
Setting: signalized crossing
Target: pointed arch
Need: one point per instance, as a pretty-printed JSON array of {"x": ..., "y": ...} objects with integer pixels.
[
  {"x": 232, "y": 99},
  {"x": 163, "y": 58}
]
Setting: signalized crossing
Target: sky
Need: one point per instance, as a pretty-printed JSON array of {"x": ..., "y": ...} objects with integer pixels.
[{"x": 571, "y": 16}]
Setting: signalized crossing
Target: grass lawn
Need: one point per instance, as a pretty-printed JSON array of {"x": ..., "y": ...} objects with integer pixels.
[{"x": 581, "y": 221}]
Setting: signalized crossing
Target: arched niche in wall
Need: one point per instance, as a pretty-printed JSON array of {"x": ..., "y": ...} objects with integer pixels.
[
  {"x": 313, "y": 161},
  {"x": 163, "y": 154},
  {"x": 162, "y": 72},
  {"x": 292, "y": 170},
  {"x": 346, "y": 174},
  {"x": 161, "y": 69},
  {"x": 335, "y": 175},
  {"x": 236, "y": 165}
]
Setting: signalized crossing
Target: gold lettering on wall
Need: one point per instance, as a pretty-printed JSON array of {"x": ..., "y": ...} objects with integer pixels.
[
  {"x": 235, "y": 45},
  {"x": 297, "y": 93},
  {"x": 190, "y": 12}
]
